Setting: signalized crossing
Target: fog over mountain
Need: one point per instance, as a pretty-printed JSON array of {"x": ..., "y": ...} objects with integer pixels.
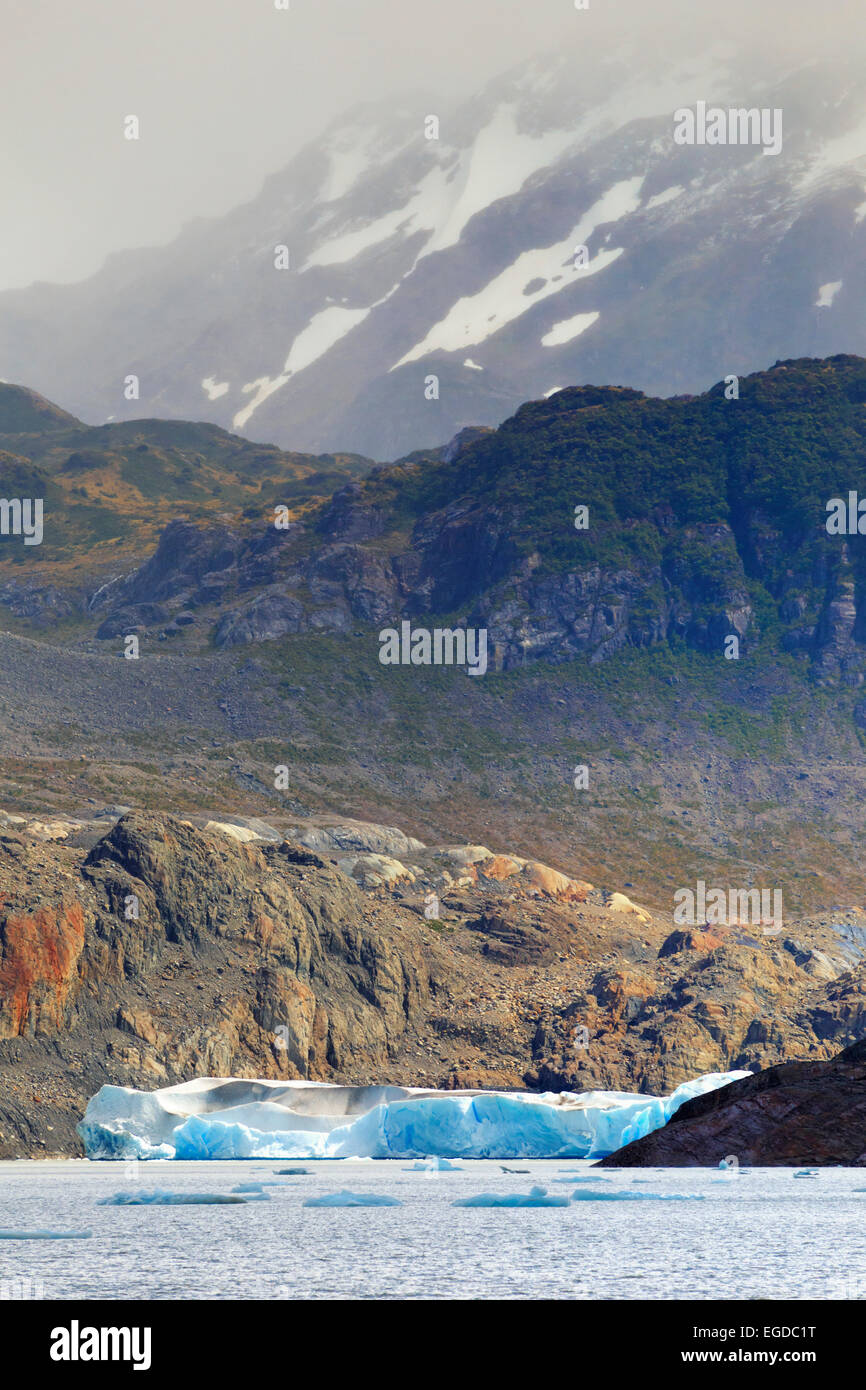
[
  {"x": 418, "y": 267},
  {"x": 229, "y": 91}
]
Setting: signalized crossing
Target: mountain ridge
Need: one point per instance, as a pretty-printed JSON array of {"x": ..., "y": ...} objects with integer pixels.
[
  {"x": 234, "y": 948},
  {"x": 607, "y": 646},
  {"x": 435, "y": 253}
]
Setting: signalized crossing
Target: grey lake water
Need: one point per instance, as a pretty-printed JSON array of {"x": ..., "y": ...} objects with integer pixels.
[{"x": 761, "y": 1235}]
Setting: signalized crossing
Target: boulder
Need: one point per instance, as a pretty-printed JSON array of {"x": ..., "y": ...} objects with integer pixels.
[
  {"x": 376, "y": 870},
  {"x": 550, "y": 883},
  {"x": 241, "y": 833},
  {"x": 689, "y": 940},
  {"x": 359, "y": 836},
  {"x": 618, "y": 902}
]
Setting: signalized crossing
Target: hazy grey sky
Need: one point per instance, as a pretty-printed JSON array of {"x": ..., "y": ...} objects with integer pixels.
[{"x": 228, "y": 90}]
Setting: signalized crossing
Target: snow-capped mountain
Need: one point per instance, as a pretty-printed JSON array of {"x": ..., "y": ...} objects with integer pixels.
[{"x": 316, "y": 315}]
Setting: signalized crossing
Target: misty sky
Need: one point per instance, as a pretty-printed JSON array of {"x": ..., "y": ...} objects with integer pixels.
[{"x": 228, "y": 90}]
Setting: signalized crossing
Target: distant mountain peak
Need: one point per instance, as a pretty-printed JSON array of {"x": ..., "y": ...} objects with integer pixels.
[{"x": 550, "y": 231}]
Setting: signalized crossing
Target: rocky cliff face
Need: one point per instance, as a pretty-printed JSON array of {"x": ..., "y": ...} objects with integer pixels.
[
  {"x": 165, "y": 953},
  {"x": 787, "y": 1116},
  {"x": 679, "y": 549},
  {"x": 152, "y": 950}
]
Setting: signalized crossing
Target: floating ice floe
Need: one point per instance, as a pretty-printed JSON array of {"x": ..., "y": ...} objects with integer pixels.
[
  {"x": 573, "y": 1180},
  {"x": 44, "y": 1235},
  {"x": 254, "y": 1190},
  {"x": 237, "y": 1119},
  {"x": 353, "y": 1199},
  {"x": 259, "y": 1186},
  {"x": 171, "y": 1199},
  {"x": 807, "y": 1173},
  {"x": 584, "y": 1196},
  {"x": 535, "y": 1197}
]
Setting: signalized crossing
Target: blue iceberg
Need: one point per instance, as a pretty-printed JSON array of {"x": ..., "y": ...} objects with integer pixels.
[
  {"x": 572, "y": 1181},
  {"x": 352, "y": 1199},
  {"x": 238, "y": 1119},
  {"x": 172, "y": 1199},
  {"x": 535, "y": 1197},
  {"x": 584, "y": 1196}
]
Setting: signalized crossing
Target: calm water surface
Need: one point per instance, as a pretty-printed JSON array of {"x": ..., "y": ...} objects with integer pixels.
[{"x": 762, "y": 1235}]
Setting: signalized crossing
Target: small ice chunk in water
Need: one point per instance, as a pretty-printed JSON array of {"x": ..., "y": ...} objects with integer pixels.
[
  {"x": 253, "y": 1190},
  {"x": 254, "y": 1187},
  {"x": 352, "y": 1199},
  {"x": 636, "y": 1197},
  {"x": 807, "y": 1173},
  {"x": 535, "y": 1197},
  {"x": 44, "y": 1235},
  {"x": 576, "y": 1179},
  {"x": 171, "y": 1199}
]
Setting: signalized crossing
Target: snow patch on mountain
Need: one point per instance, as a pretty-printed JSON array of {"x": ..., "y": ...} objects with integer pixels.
[
  {"x": 214, "y": 388},
  {"x": 476, "y": 317},
  {"x": 667, "y": 196},
  {"x": 350, "y": 155},
  {"x": 660, "y": 94},
  {"x": 324, "y": 330},
  {"x": 499, "y": 163},
  {"x": 423, "y": 212},
  {"x": 827, "y": 293},
  {"x": 568, "y": 329},
  {"x": 835, "y": 154}
]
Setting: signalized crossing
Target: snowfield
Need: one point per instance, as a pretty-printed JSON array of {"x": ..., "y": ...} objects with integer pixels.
[{"x": 533, "y": 276}]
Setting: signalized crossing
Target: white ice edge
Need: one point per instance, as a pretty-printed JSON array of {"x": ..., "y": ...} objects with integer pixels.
[{"x": 227, "y": 1118}]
